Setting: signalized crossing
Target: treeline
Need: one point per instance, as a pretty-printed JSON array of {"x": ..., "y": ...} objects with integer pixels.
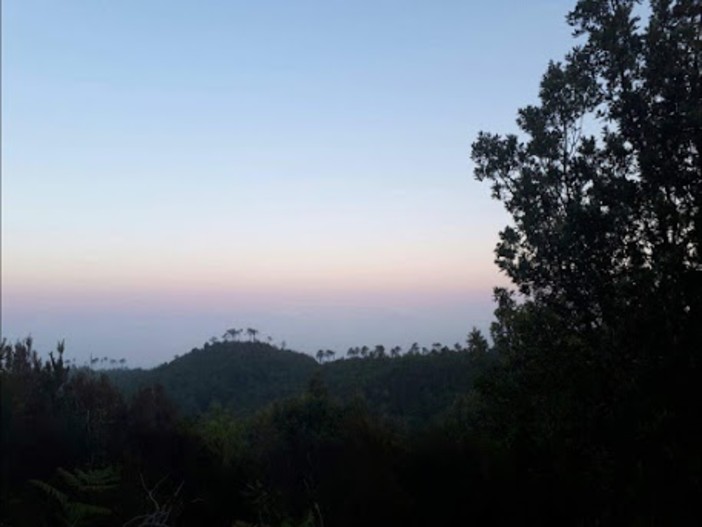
[
  {"x": 243, "y": 377},
  {"x": 75, "y": 451}
]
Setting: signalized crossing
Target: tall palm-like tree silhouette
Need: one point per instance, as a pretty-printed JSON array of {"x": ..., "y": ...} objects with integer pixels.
[
  {"x": 232, "y": 333},
  {"x": 251, "y": 332}
]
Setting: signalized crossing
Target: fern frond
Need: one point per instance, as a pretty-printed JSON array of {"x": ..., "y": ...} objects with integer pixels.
[
  {"x": 99, "y": 477},
  {"x": 50, "y": 491},
  {"x": 70, "y": 479},
  {"x": 77, "y": 511}
]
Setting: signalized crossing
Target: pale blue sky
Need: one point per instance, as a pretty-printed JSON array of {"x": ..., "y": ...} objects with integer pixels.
[{"x": 171, "y": 169}]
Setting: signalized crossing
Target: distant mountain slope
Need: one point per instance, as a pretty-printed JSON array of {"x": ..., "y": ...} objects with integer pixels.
[
  {"x": 415, "y": 388},
  {"x": 246, "y": 376},
  {"x": 242, "y": 376}
]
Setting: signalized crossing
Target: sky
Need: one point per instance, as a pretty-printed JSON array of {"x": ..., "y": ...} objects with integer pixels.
[{"x": 171, "y": 169}]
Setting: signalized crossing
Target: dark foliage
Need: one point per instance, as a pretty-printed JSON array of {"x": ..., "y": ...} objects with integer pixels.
[
  {"x": 242, "y": 376},
  {"x": 600, "y": 375},
  {"x": 245, "y": 377}
]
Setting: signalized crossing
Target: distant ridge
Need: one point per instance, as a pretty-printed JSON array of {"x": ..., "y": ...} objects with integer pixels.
[
  {"x": 247, "y": 376},
  {"x": 243, "y": 376}
]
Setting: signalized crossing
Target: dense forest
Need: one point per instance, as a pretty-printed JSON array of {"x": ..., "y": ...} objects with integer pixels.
[
  {"x": 244, "y": 377},
  {"x": 583, "y": 407}
]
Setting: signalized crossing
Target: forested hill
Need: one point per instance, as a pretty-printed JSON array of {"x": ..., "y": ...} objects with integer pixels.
[
  {"x": 246, "y": 376},
  {"x": 413, "y": 388},
  {"x": 242, "y": 376}
]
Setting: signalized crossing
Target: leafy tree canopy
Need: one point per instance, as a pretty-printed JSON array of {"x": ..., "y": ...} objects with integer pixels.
[
  {"x": 599, "y": 344},
  {"x": 604, "y": 182}
]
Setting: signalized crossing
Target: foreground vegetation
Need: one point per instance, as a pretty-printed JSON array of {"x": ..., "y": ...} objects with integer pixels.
[
  {"x": 585, "y": 411},
  {"x": 84, "y": 454}
]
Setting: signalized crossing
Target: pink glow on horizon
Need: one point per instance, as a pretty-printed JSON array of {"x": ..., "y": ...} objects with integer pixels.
[
  {"x": 390, "y": 276},
  {"x": 189, "y": 296}
]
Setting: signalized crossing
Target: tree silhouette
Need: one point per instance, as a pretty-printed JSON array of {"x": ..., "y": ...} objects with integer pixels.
[
  {"x": 378, "y": 351},
  {"x": 232, "y": 333},
  {"x": 477, "y": 343},
  {"x": 604, "y": 186},
  {"x": 251, "y": 332}
]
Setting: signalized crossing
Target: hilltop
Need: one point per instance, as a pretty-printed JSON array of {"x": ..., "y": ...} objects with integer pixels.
[
  {"x": 242, "y": 376},
  {"x": 247, "y": 376}
]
